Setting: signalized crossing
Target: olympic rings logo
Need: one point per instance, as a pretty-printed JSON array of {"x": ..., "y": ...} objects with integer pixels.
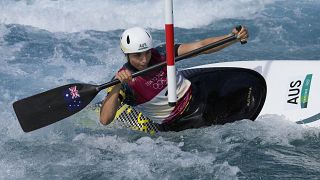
[{"x": 158, "y": 82}]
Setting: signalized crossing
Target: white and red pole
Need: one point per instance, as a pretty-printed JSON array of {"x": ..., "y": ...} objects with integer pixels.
[{"x": 171, "y": 69}]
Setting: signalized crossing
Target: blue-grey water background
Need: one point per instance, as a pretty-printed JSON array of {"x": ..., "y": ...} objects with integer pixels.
[{"x": 49, "y": 43}]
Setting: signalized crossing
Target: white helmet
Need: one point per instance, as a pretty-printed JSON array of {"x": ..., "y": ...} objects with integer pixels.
[{"x": 135, "y": 40}]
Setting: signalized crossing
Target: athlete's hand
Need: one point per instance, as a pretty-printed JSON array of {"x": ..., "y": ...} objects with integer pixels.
[
  {"x": 124, "y": 76},
  {"x": 242, "y": 33}
]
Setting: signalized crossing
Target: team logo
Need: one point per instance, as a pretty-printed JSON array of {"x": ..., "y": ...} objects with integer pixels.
[
  {"x": 143, "y": 46},
  {"x": 299, "y": 90}
]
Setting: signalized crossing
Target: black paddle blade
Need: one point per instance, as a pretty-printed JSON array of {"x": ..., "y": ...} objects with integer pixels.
[{"x": 54, "y": 105}]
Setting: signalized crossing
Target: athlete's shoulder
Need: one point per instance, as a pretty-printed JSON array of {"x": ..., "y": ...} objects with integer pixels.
[{"x": 161, "y": 48}]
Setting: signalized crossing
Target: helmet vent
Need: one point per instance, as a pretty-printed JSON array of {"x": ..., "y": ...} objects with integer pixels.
[
  {"x": 128, "y": 40},
  {"x": 148, "y": 34}
]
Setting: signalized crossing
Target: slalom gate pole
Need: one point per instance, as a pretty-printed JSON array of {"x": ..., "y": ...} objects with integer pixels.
[{"x": 171, "y": 69}]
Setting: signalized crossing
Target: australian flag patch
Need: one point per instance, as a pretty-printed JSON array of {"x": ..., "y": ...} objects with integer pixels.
[{"x": 72, "y": 98}]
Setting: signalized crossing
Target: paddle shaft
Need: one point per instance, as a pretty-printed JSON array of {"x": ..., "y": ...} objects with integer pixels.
[{"x": 179, "y": 58}]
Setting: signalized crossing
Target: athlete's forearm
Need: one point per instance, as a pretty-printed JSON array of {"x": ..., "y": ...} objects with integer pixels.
[
  {"x": 110, "y": 106},
  {"x": 215, "y": 39},
  {"x": 241, "y": 32},
  {"x": 185, "y": 48}
]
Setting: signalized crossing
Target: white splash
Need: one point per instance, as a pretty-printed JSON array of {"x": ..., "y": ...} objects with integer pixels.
[{"x": 105, "y": 15}]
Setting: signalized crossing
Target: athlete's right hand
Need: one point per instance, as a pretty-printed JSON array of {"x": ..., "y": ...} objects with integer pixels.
[{"x": 124, "y": 76}]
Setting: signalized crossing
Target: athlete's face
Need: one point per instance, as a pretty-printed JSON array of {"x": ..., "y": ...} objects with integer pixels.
[{"x": 140, "y": 60}]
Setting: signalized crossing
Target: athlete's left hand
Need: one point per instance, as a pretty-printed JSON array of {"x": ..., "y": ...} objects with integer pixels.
[{"x": 243, "y": 34}]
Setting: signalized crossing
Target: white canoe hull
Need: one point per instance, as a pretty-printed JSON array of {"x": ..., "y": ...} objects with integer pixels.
[{"x": 293, "y": 87}]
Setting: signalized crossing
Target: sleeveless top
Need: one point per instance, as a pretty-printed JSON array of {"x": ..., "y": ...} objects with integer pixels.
[{"x": 148, "y": 93}]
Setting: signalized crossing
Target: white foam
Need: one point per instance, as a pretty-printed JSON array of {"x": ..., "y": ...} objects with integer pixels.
[
  {"x": 104, "y": 15},
  {"x": 225, "y": 171},
  {"x": 140, "y": 158},
  {"x": 81, "y": 71}
]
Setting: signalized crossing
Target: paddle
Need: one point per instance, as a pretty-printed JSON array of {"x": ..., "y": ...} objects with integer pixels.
[{"x": 43, "y": 109}]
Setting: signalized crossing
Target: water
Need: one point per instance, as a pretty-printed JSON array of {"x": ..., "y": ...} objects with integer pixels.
[{"x": 49, "y": 43}]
